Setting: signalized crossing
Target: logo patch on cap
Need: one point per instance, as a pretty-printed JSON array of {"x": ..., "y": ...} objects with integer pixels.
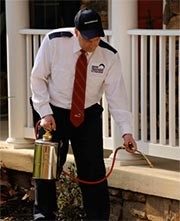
[{"x": 89, "y": 22}]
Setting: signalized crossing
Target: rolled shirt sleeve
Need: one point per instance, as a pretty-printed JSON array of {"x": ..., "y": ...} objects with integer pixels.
[
  {"x": 117, "y": 98},
  {"x": 39, "y": 79}
]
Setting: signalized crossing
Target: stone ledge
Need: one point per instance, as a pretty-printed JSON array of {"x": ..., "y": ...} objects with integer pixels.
[
  {"x": 17, "y": 159},
  {"x": 151, "y": 181},
  {"x": 140, "y": 178}
]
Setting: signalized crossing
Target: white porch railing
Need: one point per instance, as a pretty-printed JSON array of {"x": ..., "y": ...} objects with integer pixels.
[
  {"x": 155, "y": 90},
  {"x": 33, "y": 39}
]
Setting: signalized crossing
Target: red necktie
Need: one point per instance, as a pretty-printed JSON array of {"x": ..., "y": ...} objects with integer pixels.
[{"x": 78, "y": 97}]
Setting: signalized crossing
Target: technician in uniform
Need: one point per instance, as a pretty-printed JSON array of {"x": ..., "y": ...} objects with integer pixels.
[{"x": 52, "y": 83}]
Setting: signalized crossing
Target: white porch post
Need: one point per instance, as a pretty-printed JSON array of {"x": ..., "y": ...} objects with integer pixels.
[
  {"x": 17, "y": 17},
  {"x": 123, "y": 17}
]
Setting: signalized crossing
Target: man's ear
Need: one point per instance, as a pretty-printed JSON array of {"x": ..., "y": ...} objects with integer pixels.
[{"x": 77, "y": 32}]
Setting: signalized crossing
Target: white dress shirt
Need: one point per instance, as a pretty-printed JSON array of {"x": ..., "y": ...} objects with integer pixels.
[{"x": 53, "y": 74}]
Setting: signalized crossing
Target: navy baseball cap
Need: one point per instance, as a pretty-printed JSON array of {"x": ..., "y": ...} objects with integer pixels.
[{"x": 88, "y": 22}]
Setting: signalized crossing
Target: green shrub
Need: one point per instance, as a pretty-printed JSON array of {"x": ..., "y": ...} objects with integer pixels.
[{"x": 69, "y": 199}]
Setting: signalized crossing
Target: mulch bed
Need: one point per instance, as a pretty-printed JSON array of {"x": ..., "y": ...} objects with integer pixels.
[
  {"x": 16, "y": 202},
  {"x": 17, "y": 210}
]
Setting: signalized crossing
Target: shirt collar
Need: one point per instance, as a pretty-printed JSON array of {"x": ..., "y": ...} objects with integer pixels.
[{"x": 77, "y": 47}]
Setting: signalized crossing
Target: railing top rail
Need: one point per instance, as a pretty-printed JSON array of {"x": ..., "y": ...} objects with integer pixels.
[
  {"x": 154, "y": 32},
  {"x": 45, "y": 31},
  {"x": 34, "y": 31}
]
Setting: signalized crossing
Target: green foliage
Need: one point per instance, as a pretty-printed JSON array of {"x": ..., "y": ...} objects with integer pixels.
[{"x": 70, "y": 205}]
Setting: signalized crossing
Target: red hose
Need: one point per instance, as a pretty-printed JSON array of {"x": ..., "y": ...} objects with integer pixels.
[
  {"x": 36, "y": 129},
  {"x": 78, "y": 180}
]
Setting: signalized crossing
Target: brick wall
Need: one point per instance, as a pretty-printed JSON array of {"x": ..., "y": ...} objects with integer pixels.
[{"x": 132, "y": 206}]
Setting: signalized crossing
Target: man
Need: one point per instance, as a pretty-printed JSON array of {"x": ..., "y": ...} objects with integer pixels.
[{"x": 53, "y": 86}]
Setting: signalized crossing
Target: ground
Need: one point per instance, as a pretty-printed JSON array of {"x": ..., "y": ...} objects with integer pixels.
[
  {"x": 16, "y": 203},
  {"x": 17, "y": 197},
  {"x": 17, "y": 210}
]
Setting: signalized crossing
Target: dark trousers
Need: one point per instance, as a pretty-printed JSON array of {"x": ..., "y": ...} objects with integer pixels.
[{"x": 87, "y": 145}]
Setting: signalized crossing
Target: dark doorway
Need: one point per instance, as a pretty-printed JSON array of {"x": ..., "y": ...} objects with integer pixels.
[
  {"x": 150, "y": 14},
  {"x": 50, "y": 14}
]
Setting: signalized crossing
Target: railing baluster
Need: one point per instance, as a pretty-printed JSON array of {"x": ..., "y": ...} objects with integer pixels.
[
  {"x": 143, "y": 88},
  {"x": 35, "y": 45},
  {"x": 41, "y": 38},
  {"x": 135, "y": 87},
  {"x": 153, "y": 92},
  {"x": 162, "y": 89},
  {"x": 172, "y": 134},
  {"x": 28, "y": 73},
  {"x": 105, "y": 117},
  {"x": 179, "y": 86}
]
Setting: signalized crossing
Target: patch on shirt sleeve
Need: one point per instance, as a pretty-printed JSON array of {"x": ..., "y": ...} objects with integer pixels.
[
  {"x": 60, "y": 34},
  {"x": 107, "y": 46},
  {"x": 98, "y": 68}
]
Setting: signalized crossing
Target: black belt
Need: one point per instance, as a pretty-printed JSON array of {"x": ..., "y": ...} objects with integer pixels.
[{"x": 94, "y": 109}]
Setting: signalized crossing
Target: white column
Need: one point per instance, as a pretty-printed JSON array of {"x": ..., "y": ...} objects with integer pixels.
[
  {"x": 123, "y": 18},
  {"x": 17, "y": 17}
]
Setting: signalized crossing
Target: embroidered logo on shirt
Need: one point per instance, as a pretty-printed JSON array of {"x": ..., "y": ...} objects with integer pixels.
[{"x": 98, "y": 68}]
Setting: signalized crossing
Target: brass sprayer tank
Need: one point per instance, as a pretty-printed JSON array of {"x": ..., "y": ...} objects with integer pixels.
[{"x": 45, "y": 158}]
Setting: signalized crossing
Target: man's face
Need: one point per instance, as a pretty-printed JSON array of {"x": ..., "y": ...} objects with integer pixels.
[{"x": 88, "y": 45}]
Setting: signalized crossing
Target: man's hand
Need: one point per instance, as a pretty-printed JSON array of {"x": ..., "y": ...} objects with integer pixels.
[
  {"x": 48, "y": 123},
  {"x": 129, "y": 143}
]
